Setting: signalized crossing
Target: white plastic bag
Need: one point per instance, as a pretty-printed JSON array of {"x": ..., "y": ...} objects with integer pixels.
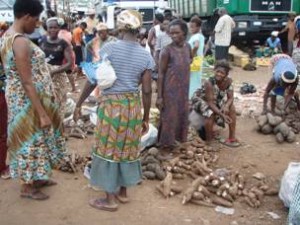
[
  {"x": 150, "y": 137},
  {"x": 105, "y": 74},
  {"x": 70, "y": 107},
  {"x": 196, "y": 120},
  {"x": 288, "y": 183}
]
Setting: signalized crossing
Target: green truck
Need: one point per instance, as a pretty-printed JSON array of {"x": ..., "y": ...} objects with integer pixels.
[{"x": 254, "y": 18}]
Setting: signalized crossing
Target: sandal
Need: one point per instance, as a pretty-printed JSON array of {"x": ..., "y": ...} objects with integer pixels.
[
  {"x": 76, "y": 91},
  {"x": 44, "y": 183},
  {"x": 102, "y": 204},
  {"x": 5, "y": 175},
  {"x": 233, "y": 143},
  {"x": 216, "y": 135},
  {"x": 121, "y": 199},
  {"x": 35, "y": 195},
  {"x": 166, "y": 153}
]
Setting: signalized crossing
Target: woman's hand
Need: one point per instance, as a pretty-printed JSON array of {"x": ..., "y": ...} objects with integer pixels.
[
  {"x": 227, "y": 119},
  {"x": 159, "y": 103},
  {"x": 96, "y": 58},
  {"x": 52, "y": 73},
  {"x": 77, "y": 114},
  {"x": 145, "y": 127},
  {"x": 45, "y": 121},
  {"x": 225, "y": 109}
]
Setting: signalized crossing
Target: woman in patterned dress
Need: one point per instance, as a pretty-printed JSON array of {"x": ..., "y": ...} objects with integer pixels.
[
  {"x": 34, "y": 126},
  {"x": 173, "y": 88},
  {"x": 214, "y": 102}
]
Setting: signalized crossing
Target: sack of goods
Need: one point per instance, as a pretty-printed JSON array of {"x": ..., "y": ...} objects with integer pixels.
[{"x": 105, "y": 74}]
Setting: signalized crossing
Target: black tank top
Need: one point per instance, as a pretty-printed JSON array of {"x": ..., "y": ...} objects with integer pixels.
[{"x": 54, "y": 51}]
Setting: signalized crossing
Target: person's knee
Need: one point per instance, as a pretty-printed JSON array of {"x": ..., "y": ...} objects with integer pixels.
[
  {"x": 209, "y": 121},
  {"x": 232, "y": 109}
]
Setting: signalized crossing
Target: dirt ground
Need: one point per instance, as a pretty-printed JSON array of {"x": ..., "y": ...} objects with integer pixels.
[{"x": 68, "y": 204}]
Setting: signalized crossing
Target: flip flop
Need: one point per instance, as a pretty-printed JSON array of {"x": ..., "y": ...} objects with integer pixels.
[
  {"x": 218, "y": 137},
  {"x": 102, "y": 204},
  {"x": 76, "y": 91},
  {"x": 121, "y": 199},
  {"x": 45, "y": 183},
  {"x": 5, "y": 175},
  {"x": 233, "y": 143},
  {"x": 35, "y": 195}
]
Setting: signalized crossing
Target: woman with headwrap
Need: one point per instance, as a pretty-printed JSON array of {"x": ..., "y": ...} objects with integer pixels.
[
  {"x": 57, "y": 50},
  {"x": 116, "y": 164},
  {"x": 99, "y": 41},
  {"x": 93, "y": 48}
]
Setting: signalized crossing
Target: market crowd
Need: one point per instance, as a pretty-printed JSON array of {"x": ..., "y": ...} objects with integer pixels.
[{"x": 36, "y": 75}]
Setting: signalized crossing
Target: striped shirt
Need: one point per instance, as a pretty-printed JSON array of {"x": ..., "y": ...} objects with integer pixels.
[
  {"x": 129, "y": 60},
  {"x": 223, "y": 30}
]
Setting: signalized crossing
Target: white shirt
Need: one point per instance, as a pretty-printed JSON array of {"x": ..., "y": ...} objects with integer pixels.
[
  {"x": 223, "y": 30},
  {"x": 158, "y": 31}
]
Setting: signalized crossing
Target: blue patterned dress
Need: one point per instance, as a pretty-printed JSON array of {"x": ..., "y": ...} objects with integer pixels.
[{"x": 33, "y": 151}]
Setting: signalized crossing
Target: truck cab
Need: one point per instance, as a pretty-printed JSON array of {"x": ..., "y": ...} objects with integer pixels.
[{"x": 259, "y": 17}]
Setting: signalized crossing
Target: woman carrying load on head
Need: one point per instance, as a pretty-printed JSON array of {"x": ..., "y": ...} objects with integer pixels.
[
  {"x": 116, "y": 164},
  {"x": 34, "y": 125}
]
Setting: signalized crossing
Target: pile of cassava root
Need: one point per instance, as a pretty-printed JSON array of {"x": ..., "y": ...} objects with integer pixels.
[
  {"x": 270, "y": 124},
  {"x": 193, "y": 153},
  {"x": 293, "y": 121},
  {"x": 72, "y": 162},
  {"x": 193, "y": 176}
]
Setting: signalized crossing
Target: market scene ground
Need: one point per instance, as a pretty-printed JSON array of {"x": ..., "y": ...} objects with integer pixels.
[{"x": 258, "y": 153}]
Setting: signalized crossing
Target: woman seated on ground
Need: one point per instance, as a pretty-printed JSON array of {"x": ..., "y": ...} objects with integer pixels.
[
  {"x": 214, "y": 102},
  {"x": 284, "y": 78}
]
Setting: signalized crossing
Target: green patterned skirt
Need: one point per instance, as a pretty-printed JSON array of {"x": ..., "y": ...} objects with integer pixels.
[{"x": 117, "y": 149}]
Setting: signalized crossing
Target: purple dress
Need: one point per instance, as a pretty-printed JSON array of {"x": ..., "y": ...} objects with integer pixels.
[{"x": 174, "y": 116}]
